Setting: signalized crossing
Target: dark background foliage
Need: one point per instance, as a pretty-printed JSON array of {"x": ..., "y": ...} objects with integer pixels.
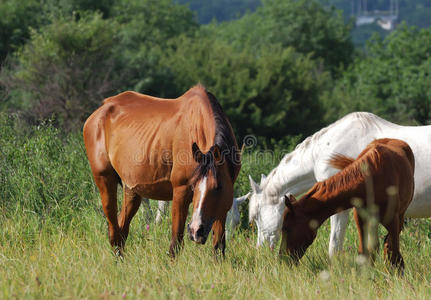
[{"x": 280, "y": 69}]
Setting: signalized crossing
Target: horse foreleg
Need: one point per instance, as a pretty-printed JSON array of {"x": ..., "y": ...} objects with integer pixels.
[
  {"x": 360, "y": 226},
  {"x": 219, "y": 237},
  {"x": 182, "y": 197},
  {"x": 338, "y": 231},
  {"x": 131, "y": 203}
]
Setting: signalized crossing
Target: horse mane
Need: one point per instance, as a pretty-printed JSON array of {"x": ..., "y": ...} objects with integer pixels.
[
  {"x": 223, "y": 138},
  {"x": 353, "y": 172},
  {"x": 340, "y": 161}
]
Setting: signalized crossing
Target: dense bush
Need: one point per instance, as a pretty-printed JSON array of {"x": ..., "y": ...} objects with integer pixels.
[{"x": 42, "y": 171}]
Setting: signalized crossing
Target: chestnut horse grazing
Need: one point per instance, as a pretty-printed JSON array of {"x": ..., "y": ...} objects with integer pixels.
[
  {"x": 386, "y": 165},
  {"x": 181, "y": 149}
]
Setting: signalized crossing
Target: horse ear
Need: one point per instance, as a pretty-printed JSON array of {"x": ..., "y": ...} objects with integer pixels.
[
  {"x": 242, "y": 198},
  {"x": 288, "y": 201},
  {"x": 197, "y": 153},
  {"x": 217, "y": 153},
  {"x": 262, "y": 178},
  {"x": 254, "y": 186},
  {"x": 292, "y": 199}
]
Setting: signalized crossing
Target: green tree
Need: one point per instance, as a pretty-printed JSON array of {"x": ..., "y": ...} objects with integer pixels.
[
  {"x": 305, "y": 25},
  {"x": 220, "y": 10},
  {"x": 146, "y": 27},
  {"x": 392, "y": 80},
  {"x": 16, "y": 17},
  {"x": 65, "y": 69},
  {"x": 275, "y": 95}
]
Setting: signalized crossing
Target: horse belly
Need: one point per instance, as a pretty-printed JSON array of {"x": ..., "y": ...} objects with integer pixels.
[{"x": 161, "y": 190}]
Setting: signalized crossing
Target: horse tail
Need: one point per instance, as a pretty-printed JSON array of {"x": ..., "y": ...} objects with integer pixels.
[{"x": 340, "y": 161}]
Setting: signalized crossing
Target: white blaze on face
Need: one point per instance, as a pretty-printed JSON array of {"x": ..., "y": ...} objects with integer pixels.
[{"x": 197, "y": 214}]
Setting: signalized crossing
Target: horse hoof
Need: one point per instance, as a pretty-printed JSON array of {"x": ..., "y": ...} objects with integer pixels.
[{"x": 118, "y": 253}]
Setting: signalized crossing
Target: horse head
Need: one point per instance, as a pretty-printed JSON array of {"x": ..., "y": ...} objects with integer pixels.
[
  {"x": 213, "y": 192},
  {"x": 298, "y": 230},
  {"x": 267, "y": 215}
]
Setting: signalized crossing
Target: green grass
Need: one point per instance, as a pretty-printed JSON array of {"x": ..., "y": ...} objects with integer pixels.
[
  {"x": 53, "y": 241},
  {"x": 44, "y": 259}
]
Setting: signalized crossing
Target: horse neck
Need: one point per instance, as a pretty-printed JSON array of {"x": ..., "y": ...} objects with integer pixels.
[
  {"x": 321, "y": 204},
  {"x": 294, "y": 174}
]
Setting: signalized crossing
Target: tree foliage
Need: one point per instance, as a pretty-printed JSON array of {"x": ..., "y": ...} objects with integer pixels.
[
  {"x": 146, "y": 27},
  {"x": 283, "y": 69},
  {"x": 220, "y": 10},
  {"x": 65, "y": 69},
  {"x": 16, "y": 17},
  {"x": 273, "y": 95},
  {"x": 392, "y": 80},
  {"x": 305, "y": 25}
]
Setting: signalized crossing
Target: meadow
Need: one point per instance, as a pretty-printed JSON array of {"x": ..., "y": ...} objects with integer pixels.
[{"x": 53, "y": 240}]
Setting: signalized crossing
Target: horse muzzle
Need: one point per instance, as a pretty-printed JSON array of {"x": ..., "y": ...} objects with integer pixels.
[{"x": 199, "y": 234}]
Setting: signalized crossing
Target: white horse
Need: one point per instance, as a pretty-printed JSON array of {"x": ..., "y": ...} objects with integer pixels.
[{"x": 307, "y": 164}]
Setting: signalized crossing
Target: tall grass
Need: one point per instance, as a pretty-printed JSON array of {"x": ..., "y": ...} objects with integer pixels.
[{"x": 53, "y": 241}]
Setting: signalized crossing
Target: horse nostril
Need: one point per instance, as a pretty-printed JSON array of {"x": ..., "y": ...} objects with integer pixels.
[
  {"x": 200, "y": 231},
  {"x": 189, "y": 229}
]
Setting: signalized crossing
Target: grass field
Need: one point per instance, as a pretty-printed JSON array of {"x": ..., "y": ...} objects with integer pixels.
[
  {"x": 40, "y": 258},
  {"x": 53, "y": 242}
]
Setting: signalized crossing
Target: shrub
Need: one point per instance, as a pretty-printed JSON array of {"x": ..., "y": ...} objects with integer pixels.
[{"x": 43, "y": 172}]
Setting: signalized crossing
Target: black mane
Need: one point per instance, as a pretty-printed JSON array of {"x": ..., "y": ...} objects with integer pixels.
[{"x": 224, "y": 139}]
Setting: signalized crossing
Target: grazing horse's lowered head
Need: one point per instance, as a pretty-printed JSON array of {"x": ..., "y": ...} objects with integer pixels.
[
  {"x": 213, "y": 192},
  {"x": 298, "y": 227},
  {"x": 266, "y": 215}
]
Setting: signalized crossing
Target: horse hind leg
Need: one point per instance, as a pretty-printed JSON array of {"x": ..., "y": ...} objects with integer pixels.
[
  {"x": 131, "y": 203},
  {"x": 368, "y": 236},
  {"x": 107, "y": 185},
  {"x": 392, "y": 244}
]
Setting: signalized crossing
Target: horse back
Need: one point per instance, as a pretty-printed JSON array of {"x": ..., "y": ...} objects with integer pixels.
[
  {"x": 141, "y": 137},
  {"x": 399, "y": 146},
  {"x": 395, "y": 167}
]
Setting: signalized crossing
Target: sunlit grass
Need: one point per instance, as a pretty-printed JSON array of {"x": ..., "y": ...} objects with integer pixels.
[{"x": 74, "y": 260}]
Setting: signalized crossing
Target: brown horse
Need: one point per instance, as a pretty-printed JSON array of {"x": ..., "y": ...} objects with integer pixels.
[
  {"x": 181, "y": 149},
  {"x": 384, "y": 163}
]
